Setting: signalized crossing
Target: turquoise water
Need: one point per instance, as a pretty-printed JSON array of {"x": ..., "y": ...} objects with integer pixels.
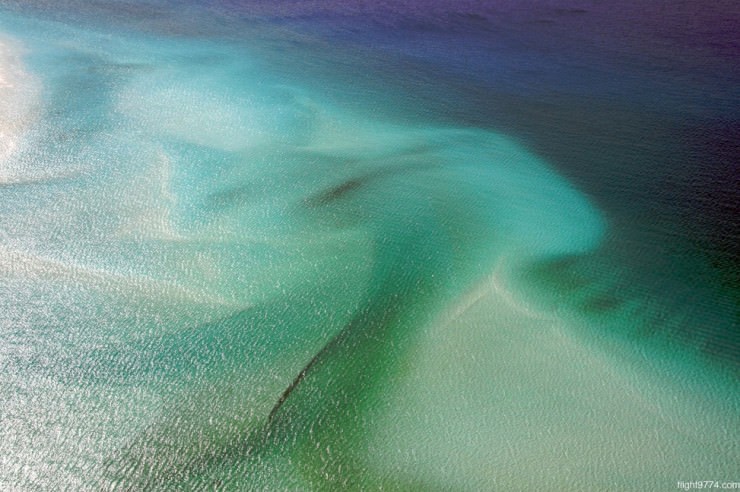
[{"x": 231, "y": 259}]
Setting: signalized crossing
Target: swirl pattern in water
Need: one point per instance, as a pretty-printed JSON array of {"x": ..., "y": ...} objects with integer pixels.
[{"x": 300, "y": 247}]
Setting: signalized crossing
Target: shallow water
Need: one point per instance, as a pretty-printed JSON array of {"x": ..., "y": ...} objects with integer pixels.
[{"x": 351, "y": 246}]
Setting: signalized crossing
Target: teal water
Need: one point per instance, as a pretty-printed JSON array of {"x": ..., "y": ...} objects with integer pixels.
[{"x": 223, "y": 265}]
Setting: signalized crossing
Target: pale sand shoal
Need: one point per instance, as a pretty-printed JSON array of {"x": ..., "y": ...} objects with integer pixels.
[
  {"x": 500, "y": 396},
  {"x": 19, "y": 99}
]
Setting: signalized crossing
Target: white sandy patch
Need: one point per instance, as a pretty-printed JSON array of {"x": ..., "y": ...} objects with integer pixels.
[{"x": 18, "y": 101}]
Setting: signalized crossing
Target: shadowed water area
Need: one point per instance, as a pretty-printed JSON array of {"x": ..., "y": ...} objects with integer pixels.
[{"x": 362, "y": 247}]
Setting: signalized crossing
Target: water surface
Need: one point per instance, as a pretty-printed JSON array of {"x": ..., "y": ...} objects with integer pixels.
[{"x": 300, "y": 246}]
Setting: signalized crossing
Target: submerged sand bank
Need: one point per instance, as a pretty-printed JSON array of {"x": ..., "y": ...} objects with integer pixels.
[
  {"x": 18, "y": 100},
  {"x": 518, "y": 400}
]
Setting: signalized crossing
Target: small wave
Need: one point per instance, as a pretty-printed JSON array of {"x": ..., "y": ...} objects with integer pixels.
[{"x": 31, "y": 265}]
